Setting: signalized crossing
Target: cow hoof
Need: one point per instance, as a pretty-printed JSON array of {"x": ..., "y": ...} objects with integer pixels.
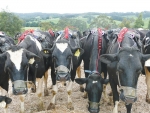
[
  {"x": 81, "y": 89},
  {"x": 147, "y": 99},
  {"x": 51, "y": 106},
  {"x": 45, "y": 92},
  {"x": 70, "y": 106}
]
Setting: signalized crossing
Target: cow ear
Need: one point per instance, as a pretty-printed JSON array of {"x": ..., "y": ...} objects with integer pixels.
[
  {"x": 108, "y": 58},
  {"x": 80, "y": 80},
  {"x": 77, "y": 52},
  {"x": 46, "y": 52},
  {"x": 32, "y": 57},
  {"x": 8, "y": 100}
]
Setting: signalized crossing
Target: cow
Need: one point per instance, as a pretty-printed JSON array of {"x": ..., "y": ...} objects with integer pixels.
[
  {"x": 14, "y": 65},
  {"x": 146, "y": 50},
  {"x": 65, "y": 54},
  {"x": 5, "y": 42},
  {"x": 124, "y": 62},
  {"x": 45, "y": 38},
  {"x": 94, "y": 45},
  {"x": 38, "y": 69}
]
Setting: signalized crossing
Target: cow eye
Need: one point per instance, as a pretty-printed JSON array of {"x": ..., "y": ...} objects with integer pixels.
[
  {"x": 54, "y": 58},
  {"x": 139, "y": 71},
  {"x": 120, "y": 71},
  {"x": 69, "y": 57}
]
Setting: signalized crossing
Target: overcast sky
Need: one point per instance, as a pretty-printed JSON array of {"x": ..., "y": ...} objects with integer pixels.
[{"x": 74, "y": 6}]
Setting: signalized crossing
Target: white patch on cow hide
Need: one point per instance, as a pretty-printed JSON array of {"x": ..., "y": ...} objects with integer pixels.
[
  {"x": 94, "y": 81},
  {"x": 37, "y": 43},
  {"x": 3, "y": 104},
  {"x": 16, "y": 58},
  {"x": 131, "y": 55},
  {"x": 62, "y": 46},
  {"x": 31, "y": 61},
  {"x": 147, "y": 38},
  {"x": 115, "y": 110},
  {"x": 147, "y": 63}
]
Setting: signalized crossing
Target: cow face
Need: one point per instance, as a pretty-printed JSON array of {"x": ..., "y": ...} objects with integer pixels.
[
  {"x": 62, "y": 58},
  {"x": 126, "y": 68},
  {"x": 62, "y": 55},
  {"x": 94, "y": 88},
  {"x": 17, "y": 61}
]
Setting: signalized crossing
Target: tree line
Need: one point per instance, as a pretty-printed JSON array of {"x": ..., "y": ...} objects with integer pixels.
[{"x": 12, "y": 24}]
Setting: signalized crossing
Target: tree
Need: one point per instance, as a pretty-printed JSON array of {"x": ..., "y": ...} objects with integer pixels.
[
  {"x": 125, "y": 23},
  {"x": 10, "y": 23},
  {"x": 47, "y": 25},
  {"x": 103, "y": 21},
  {"x": 139, "y": 23},
  {"x": 149, "y": 25}
]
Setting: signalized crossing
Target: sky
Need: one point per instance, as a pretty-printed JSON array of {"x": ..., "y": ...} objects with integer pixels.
[{"x": 74, "y": 6}]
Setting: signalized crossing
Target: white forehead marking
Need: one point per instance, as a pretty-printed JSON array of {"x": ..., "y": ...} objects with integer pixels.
[
  {"x": 16, "y": 58},
  {"x": 62, "y": 46},
  {"x": 131, "y": 55},
  {"x": 94, "y": 81},
  {"x": 37, "y": 43}
]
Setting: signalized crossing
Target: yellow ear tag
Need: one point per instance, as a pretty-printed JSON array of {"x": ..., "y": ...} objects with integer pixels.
[
  {"x": 77, "y": 53},
  {"x": 45, "y": 51}
]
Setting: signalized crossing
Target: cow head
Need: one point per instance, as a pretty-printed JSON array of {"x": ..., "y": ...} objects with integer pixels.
[
  {"x": 62, "y": 55},
  {"x": 17, "y": 61},
  {"x": 94, "y": 88},
  {"x": 126, "y": 66}
]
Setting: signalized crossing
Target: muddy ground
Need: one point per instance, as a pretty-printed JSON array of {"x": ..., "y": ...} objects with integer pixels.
[{"x": 80, "y": 104}]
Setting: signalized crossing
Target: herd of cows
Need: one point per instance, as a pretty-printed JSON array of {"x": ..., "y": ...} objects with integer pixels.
[{"x": 116, "y": 56}]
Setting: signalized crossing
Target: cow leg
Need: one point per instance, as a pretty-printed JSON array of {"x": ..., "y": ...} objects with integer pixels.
[
  {"x": 40, "y": 92},
  {"x": 79, "y": 75},
  {"x": 45, "y": 81},
  {"x": 3, "y": 103},
  {"x": 104, "y": 90},
  {"x": 69, "y": 91},
  {"x": 22, "y": 98},
  {"x": 148, "y": 85},
  {"x": 53, "y": 101},
  {"x": 128, "y": 107},
  {"x": 115, "y": 93}
]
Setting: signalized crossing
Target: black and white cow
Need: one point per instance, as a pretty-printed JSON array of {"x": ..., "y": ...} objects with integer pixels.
[
  {"x": 14, "y": 65},
  {"x": 37, "y": 70},
  {"x": 146, "y": 50},
  {"x": 124, "y": 61},
  {"x": 94, "y": 45},
  {"x": 65, "y": 60}
]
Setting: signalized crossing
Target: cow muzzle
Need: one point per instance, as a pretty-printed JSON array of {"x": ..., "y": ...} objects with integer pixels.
[
  {"x": 128, "y": 94},
  {"x": 93, "y": 107},
  {"x": 19, "y": 87},
  {"x": 62, "y": 73}
]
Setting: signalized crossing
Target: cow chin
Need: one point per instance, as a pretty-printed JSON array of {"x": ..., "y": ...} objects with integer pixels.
[
  {"x": 62, "y": 76},
  {"x": 128, "y": 95},
  {"x": 19, "y": 87},
  {"x": 93, "y": 107}
]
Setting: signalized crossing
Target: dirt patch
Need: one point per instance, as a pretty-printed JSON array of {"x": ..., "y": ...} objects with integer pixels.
[{"x": 80, "y": 104}]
